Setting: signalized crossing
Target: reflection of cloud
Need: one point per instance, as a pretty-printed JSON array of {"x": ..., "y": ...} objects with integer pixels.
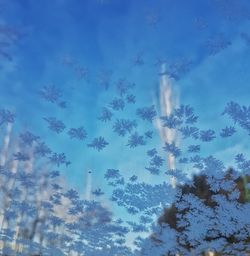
[
  {"x": 168, "y": 102},
  {"x": 8, "y": 67},
  {"x": 227, "y": 155}
]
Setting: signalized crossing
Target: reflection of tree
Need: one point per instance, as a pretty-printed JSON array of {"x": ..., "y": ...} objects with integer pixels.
[
  {"x": 152, "y": 18},
  {"x": 39, "y": 215},
  {"x": 8, "y": 37}
]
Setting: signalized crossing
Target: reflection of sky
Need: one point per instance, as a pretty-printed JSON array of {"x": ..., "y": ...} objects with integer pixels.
[{"x": 107, "y": 35}]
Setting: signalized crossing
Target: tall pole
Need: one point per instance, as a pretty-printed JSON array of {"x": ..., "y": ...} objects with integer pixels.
[
  {"x": 88, "y": 184},
  {"x": 6, "y": 142},
  {"x": 168, "y": 102}
]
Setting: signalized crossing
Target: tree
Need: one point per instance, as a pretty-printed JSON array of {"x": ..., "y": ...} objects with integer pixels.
[{"x": 208, "y": 214}]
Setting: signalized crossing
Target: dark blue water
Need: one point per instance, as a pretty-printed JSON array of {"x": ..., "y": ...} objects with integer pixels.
[{"x": 85, "y": 87}]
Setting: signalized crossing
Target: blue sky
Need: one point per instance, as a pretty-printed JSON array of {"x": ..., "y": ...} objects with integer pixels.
[{"x": 107, "y": 35}]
